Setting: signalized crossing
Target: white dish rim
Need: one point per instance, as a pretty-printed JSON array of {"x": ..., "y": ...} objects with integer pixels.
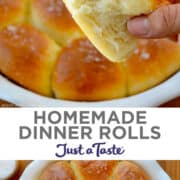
[
  {"x": 153, "y": 97},
  {"x": 152, "y": 168}
]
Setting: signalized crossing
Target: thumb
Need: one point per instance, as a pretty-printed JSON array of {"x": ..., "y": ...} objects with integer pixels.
[{"x": 163, "y": 22}]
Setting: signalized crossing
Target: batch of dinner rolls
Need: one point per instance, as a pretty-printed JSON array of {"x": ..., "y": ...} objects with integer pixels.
[
  {"x": 43, "y": 49},
  {"x": 72, "y": 170}
]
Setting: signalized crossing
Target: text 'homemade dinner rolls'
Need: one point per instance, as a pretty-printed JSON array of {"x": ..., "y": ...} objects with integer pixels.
[
  {"x": 84, "y": 170},
  {"x": 27, "y": 57},
  {"x": 12, "y": 12},
  {"x": 105, "y": 23},
  {"x": 82, "y": 73},
  {"x": 52, "y": 17}
]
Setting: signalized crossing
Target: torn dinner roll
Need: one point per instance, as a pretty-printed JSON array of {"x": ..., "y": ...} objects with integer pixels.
[{"x": 105, "y": 23}]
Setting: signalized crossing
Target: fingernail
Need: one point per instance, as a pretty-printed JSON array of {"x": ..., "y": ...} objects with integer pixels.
[{"x": 139, "y": 26}]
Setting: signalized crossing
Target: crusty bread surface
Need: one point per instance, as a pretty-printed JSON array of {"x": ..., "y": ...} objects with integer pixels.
[
  {"x": 52, "y": 17},
  {"x": 27, "y": 57},
  {"x": 12, "y": 12},
  {"x": 82, "y": 73},
  {"x": 84, "y": 170}
]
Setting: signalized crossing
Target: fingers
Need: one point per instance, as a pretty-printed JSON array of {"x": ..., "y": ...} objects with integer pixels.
[{"x": 163, "y": 22}]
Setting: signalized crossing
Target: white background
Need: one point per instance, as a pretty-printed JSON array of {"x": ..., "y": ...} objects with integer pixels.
[{"x": 167, "y": 147}]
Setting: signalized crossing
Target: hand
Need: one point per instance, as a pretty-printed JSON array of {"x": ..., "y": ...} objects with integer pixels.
[{"x": 163, "y": 22}]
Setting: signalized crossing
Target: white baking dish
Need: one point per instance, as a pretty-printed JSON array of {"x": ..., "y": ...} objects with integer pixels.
[
  {"x": 152, "y": 168},
  {"x": 150, "y": 98}
]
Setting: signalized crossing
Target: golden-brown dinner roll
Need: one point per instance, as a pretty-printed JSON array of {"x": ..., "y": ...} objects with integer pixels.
[
  {"x": 84, "y": 170},
  {"x": 129, "y": 171},
  {"x": 12, "y": 12},
  {"x": 82, "y": 73},
  {"x": 152, "y": 62},
  {"x": 52, "y": 17},
  {"x": 168, "y": 53},
  {"x": 105, "y": 23},
  {"x": 27, "y": 57},
  {"x": 60, "y": 170},
  {"x": 94, "y": 170}
]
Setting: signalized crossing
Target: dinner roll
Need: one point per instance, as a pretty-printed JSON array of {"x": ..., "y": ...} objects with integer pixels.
[
  {"x": 52, "y": 17},
  {"x": 75, "y": 69},
  {"x": 152, "y": 62},
  {"x": 12, "y": 12},
  {"x": 104, "y": 23},
  {"x": 127, "y": 170},
  {"x": 169, "y": 55},
  {"x": 27, "y": 57},
  {"x": 84, "y": 170},
  {"x": 82, "y": 73},
  {"x": 94, "y": 170},
  {"x": 60, "y": 170}
]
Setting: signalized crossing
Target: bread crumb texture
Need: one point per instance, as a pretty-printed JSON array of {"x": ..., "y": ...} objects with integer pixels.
[{"x": 105, "y": 23}]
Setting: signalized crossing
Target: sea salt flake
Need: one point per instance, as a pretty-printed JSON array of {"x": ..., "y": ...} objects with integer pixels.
[
  {"x": 136, "y": 51},
  {"x": 12, "y": 29},
  {"x": 145, "y": 55}
]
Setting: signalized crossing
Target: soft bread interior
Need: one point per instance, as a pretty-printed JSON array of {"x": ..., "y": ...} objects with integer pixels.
[{"x": 105, "y": 23}]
